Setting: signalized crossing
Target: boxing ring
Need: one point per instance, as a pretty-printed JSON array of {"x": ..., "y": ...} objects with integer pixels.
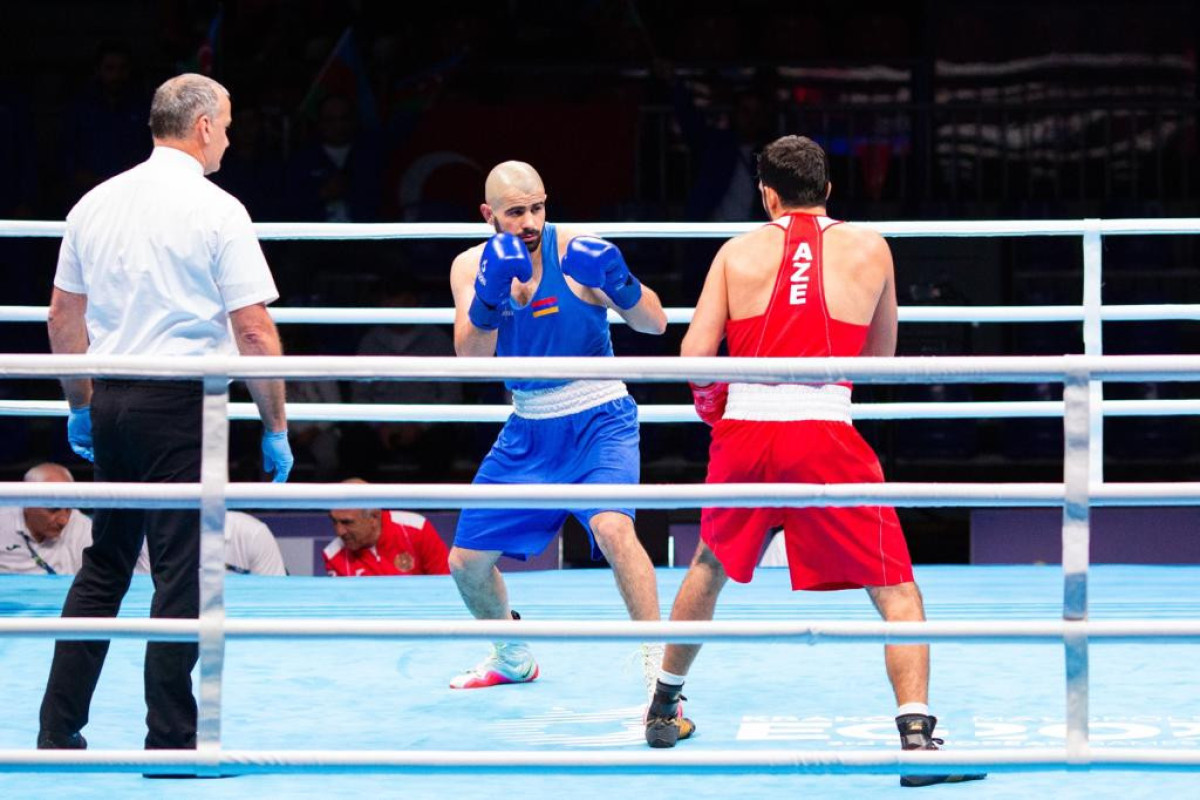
[{"x": 1122, "y": 639}]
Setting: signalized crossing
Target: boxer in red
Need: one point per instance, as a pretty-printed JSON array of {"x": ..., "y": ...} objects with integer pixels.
[{"x": 804, "y": 285}]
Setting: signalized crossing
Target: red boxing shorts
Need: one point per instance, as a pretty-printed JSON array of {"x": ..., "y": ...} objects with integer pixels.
[{"x": 827, "y": 548}]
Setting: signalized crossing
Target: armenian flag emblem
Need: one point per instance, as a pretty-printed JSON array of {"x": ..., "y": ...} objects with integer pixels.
[{"x": 547, "y": 305}]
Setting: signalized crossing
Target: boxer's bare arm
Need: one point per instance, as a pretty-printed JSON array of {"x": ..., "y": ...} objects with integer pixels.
[
  {"x": 468, "y": 340},
  {"x": 647, "y": 316},
  {"x": 881, "y": 336},
  {"x": 707, "y": 329}
]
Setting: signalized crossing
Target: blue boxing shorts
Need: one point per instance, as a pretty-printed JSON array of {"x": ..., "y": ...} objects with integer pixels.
[{"x": 597, "y": 445}]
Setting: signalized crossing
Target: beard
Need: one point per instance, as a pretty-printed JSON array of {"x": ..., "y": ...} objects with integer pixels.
[{"x": 531, "y": 246}]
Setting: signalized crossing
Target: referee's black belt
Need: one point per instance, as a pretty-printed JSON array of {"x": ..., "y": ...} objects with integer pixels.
[{"x": 187, "y": 387}]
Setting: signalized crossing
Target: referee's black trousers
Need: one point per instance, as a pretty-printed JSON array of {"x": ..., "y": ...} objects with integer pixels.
[{"x": 145, "y": 431}]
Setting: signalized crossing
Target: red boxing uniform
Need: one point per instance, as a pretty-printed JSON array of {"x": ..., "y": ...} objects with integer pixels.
[
  {"x": 800, "y": 434},
  {"x": 408, "y": 545}
]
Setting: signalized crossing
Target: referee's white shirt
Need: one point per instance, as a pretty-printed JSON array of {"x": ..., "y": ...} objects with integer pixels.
[{"x": 163, "y": 255}]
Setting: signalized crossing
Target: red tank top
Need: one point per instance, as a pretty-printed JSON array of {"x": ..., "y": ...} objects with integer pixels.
[{"x": 797, "y": 323}]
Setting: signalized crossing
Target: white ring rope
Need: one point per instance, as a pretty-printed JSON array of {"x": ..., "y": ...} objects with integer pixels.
[
  {"x": 793, "y": 632},
  {"x": 673, "y": 230},
  {"x": 908, "y": 369},
  {"x": 578, "y": 496},
  {"x": 913, "y": 314},
  {"x": 662, "y": 413},
  {"x": 875, "y": 762}
]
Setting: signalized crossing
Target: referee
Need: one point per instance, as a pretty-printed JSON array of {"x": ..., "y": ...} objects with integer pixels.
[{"x": 155, "y": 261}]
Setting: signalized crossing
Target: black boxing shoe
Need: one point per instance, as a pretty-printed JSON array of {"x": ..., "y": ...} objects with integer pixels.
[
  {"x": 916, "y": 733},
  {"x": 665, "y": 722},
  {"x": 47, "y": 740}
]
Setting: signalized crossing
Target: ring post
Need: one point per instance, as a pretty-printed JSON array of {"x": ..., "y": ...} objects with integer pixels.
[
  {"x": 1075, "y": 556},
  {"x": 214, "y": 478},
  {"x": 1093, "y": 337}
]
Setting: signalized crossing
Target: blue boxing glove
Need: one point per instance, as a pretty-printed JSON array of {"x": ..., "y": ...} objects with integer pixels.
[
  {"x": 504, "y": 257},
  {"x": 277, "y": 455},
  {"x": 79, "y": 431},
  {"x": 599, "y": 264}
]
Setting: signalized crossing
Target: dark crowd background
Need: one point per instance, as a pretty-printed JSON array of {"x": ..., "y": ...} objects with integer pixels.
[{"x": 643, "y": 111}]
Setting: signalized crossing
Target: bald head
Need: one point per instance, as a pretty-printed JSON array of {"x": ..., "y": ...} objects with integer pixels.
[
  {"x": 47, "y": 524},
  {"x": 511, "y": 178},
  {"x": 358, "y": 528},
  {"x": 516, "y": 202},
  {"x": 49, "y": 472}
]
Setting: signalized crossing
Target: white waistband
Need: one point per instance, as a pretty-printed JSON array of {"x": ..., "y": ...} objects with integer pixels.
[
  {"x": 570, "y": 398},
  {"x": 788, "y": 402}
]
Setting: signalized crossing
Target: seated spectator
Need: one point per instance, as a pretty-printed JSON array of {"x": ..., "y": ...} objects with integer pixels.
[
  {"x": 338, "y": 178},
  {"x": 776, "y": 553},
  {"x": 250, "y": 548},
  {"x": 43, "y": 541},
  {"x": 377, "y": 542}
]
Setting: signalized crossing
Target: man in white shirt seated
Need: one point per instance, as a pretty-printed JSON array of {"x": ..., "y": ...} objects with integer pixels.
[
  {"x": 250, "y": 548},
  {"x": 51, "y": 541},
  {"x": 43, "y": 541}
]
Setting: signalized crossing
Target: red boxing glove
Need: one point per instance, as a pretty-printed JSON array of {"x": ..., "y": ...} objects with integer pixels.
[{"x": 710, "y": 400}]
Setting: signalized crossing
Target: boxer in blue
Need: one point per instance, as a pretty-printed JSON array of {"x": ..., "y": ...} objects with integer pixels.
[{"x": 535, "y": 289}]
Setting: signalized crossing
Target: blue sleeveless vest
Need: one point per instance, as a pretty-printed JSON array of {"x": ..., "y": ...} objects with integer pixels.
[{"x": 554, "y": 323}]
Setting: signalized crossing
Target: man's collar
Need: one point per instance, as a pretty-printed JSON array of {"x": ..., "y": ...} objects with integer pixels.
[{"x": 165, "y": 154}]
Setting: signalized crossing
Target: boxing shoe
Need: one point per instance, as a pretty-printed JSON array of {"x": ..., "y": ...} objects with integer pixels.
[
  {"x": 664, "y": 721},
  {"x": 61, "y": 741},
  {"x": 509, "y": 662},
  {"x": 916, "y": 733}
]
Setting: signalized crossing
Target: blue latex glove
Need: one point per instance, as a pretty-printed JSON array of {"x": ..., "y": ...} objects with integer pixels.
[
  {"x": 277, "y": 455},
  {"x": 79, "y": 432},
  {"x": 504, "y": 257},
  {"x": 599, "y": 264}
]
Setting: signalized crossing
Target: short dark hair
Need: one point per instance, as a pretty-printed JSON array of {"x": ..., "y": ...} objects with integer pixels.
[{"x": 797, "y": 168}]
